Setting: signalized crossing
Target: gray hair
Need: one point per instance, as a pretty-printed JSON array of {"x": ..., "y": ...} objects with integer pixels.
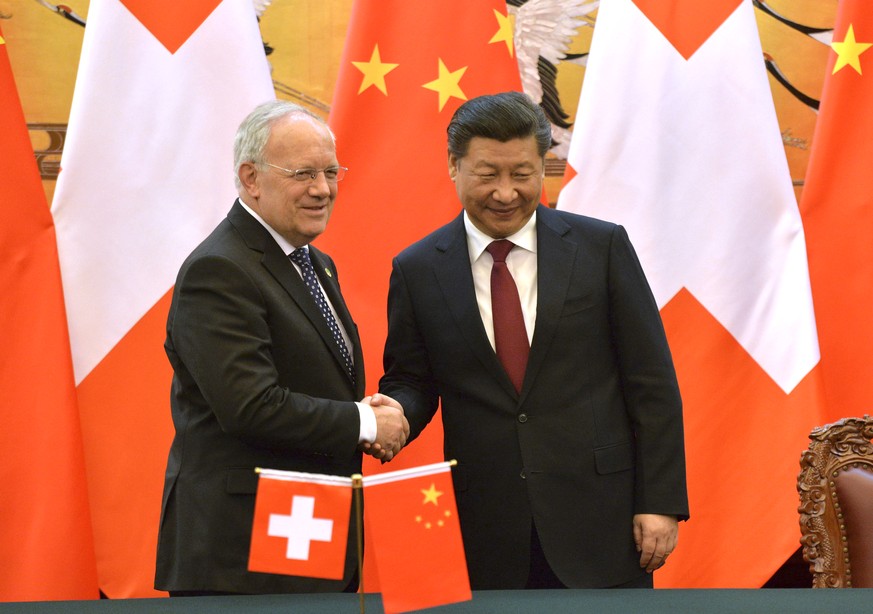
[
  {"x": 502, "y": 117},
  {"x": 254, "y": 132}
]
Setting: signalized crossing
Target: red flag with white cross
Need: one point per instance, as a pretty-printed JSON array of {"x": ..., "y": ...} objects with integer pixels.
[
  {"x": 677, "y": 139},
  {"x": 301, "y": 524},
  {"x": 146, "y": 175}
]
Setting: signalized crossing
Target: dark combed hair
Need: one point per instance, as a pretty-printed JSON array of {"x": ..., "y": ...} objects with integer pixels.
[{"x": 502, "y": 117}]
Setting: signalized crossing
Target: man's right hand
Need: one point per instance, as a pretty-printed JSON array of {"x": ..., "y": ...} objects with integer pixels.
[{"x": 392, "y": 428}]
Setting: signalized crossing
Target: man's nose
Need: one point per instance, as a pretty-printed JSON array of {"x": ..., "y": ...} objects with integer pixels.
[
  {"x": 505, "y": 191},
  {"x": 319, "y": 186}
]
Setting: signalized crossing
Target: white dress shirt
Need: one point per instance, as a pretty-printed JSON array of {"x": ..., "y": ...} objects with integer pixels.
[
  {"x": 368, "y": 417},
  {"x": 522, "y": 264}
]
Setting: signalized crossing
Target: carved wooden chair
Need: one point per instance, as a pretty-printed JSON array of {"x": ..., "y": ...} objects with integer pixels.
[{"x": 836, "y": 504}]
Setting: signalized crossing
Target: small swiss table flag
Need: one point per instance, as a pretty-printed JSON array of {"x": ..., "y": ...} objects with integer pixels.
[{"x": 301, "y": 524}]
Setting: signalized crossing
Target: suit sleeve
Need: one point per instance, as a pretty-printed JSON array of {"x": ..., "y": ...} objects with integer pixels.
[
  {"x": 649, "y": 384},
  {"x": 408, "y": 376},
  {"x": 222, "y": 338}
]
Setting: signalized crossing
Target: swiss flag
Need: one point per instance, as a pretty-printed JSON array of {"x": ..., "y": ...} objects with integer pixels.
[
  {"x": 301, "y": 524},
  {"x": 677, "y": 139},
  {"x": 147, "y": 173}
]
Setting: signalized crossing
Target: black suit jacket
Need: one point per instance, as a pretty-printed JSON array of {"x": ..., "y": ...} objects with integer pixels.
[
  {"x": 258, "y": 381},
  {"x": 594, "y": 437}
]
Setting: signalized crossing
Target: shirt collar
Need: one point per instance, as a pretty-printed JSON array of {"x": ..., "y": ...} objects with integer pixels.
[
  {"x": 286, "y": 247},
  {"x": 477, "y": 241}
]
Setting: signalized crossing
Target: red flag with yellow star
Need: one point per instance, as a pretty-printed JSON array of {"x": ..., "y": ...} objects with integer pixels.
[
  {"x": 837, "y": 210},
  {"x": 46, "y": 541},
  {"x": 406, "y": 67},
  {"x": 412, "y": 520}
]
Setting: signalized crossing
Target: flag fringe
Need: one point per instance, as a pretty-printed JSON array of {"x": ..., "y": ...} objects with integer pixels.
[
  {"x": 356, "y": 481},
  {"x": 405, "y": 474},
  {"x": 300, "y": 476}
]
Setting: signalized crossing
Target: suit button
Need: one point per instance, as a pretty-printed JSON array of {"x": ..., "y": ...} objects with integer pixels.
[
  {"x": 522, "y": 418},
  {"x": 522, "y": 475}
]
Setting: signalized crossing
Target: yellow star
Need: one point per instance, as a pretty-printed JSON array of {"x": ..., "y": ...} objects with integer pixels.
[
  {"x": 849, "y": 51},
  {"x": 431, "y": 494},
  {"x": 505, "y": 28},
  {"x": 447, "y": 84},
  {"x": 374, "y": 72},
  {"x": 2, "y": 42}
]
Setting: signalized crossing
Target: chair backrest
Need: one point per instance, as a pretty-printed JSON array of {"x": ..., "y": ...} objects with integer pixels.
[{"x": 836, "y": 504}]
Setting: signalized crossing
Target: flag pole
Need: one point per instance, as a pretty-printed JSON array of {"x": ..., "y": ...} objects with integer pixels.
[{"x": 357, "y": 487}]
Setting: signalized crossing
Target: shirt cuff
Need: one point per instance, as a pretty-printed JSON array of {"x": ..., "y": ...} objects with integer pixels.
[{"x": 368, "y": 423}]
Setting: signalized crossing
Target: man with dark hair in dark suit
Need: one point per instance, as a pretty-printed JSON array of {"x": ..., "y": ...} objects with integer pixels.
[
  {"x": 537, "y": 332},
  {"x": 267, "y": 363}
]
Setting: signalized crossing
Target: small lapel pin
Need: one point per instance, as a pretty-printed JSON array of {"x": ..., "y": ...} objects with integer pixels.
[{"x": 327, "y": 270}]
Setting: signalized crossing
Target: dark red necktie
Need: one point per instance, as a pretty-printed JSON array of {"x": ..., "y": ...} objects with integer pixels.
[{"x": 510, "y": 336}]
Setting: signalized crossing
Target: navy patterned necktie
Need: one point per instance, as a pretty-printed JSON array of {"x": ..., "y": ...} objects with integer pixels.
[
  {"x": 300, "y": 257},
  {"x": 510, "y": 336}
]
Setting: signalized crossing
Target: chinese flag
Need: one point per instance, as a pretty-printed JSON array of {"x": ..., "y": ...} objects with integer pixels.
[
  {"x": 837, "y": 208},
  {"x": 147, "y": 173},
  {"x": 46, "y": 544},
  {"x": 412, "y": 522},
  {"x": 405, "y": 68},
  {"x": 301, "y": 524},
  {"x": 677, "y": 139}
]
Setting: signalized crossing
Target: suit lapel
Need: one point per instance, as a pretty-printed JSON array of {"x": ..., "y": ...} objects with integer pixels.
[
  {"x": 555, "y": 259},
  {"x": 327, "y": 276},
  {"x": 281, "y": 268},
  {"x": 455, "y": 277}
]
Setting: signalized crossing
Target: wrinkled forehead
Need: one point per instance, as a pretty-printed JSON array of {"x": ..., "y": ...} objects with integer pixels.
[
  {"x": 514, "y": 153},
  {"x": 300, "y": 134}
]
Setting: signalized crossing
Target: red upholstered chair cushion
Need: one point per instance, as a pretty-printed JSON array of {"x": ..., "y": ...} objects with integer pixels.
[{"x": 855, "y": 493}]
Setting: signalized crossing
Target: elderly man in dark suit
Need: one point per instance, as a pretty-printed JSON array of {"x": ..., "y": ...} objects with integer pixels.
[
  {"x": 266, "y": 360},
  {"x": 537, "y": 331}
]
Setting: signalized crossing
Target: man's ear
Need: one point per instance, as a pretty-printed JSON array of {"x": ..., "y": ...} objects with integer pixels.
[
  {"x": 248, "y": 177},
  {"x": 453, "y": 166}
]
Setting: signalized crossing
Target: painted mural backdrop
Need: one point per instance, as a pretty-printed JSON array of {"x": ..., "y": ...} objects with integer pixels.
[{"x": 304, "y": 39}]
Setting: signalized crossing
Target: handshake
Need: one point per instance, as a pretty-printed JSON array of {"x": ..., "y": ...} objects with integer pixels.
[{"x": 392, "y": 428}]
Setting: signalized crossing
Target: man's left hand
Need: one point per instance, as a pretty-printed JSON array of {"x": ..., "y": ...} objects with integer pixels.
[{"x": 656, "y": 536}]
